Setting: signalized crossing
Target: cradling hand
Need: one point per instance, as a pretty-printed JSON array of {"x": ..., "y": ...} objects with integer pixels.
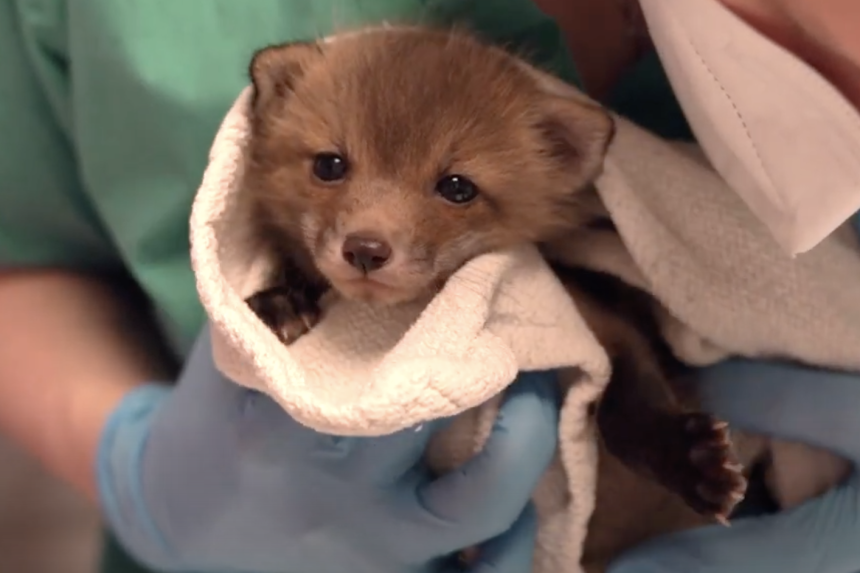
[
  {"x": 212, "y": 477},
  {"x": 822, "y": 535}
]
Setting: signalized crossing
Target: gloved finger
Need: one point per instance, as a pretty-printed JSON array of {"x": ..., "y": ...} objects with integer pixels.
[
  {"x": 514, "y": 550},
  {"x": 384, "y": 460},
  {"x": 202, "y": 386},
  {"x": 207, "y": 397},
  {"x": 818, "y": 536},
  {"x": 814, "y": 406},
  {"x": 265, "y": 426},
  {"x": 204, "y": 402},
  {"x": 484, "y": 497}
]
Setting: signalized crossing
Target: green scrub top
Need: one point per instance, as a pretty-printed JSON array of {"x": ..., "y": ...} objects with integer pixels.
[{"x": 108, "y": 109}]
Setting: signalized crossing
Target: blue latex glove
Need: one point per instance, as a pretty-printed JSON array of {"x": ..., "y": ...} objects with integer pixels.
[
  {"x": 821, "y": 536},
  {"x": 212, "y": 477}
]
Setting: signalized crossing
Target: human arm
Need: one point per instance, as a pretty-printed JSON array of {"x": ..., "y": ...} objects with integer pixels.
[
  {"x": 67, "y": 356},
  {"x": 82, "y": 344}
]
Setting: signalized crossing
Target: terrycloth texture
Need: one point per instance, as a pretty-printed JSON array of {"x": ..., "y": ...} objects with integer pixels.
[
  {"x": 727, "y": 285},
  {"x": 690, "y": 241}
]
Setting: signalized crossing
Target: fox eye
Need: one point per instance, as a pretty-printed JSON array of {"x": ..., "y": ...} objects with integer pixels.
[
  {"x": 457, "y": 189},
  {"x": 330, "y": 167}
]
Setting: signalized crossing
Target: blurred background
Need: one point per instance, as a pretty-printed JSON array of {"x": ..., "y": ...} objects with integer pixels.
[{"x": 45, "y": 527}]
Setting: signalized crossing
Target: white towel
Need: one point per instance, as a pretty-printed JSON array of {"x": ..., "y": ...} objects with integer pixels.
[{"x": 689, "y": 240}]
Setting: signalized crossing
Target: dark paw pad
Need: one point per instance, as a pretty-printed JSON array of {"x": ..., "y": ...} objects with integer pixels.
[
  {"x": 288, "y": 313},
  {"x": 709, "y": 477}
]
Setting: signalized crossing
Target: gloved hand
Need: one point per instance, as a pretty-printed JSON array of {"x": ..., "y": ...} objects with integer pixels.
[
  {"x": 822, "y": 535},
  {"x": 212, "y": 477}
]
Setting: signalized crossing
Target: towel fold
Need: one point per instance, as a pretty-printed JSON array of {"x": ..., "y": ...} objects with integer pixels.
[{"x": 684, "y": 236}]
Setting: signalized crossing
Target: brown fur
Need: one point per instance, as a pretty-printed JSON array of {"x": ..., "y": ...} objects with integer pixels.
[
  {"x": 408, "y": 106},
  {"x": 445, "y": 104},
  {"x": 631, "y": 445}
]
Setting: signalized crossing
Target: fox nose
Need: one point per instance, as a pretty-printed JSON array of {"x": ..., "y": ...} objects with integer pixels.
[{"x": 365, "y": 252}]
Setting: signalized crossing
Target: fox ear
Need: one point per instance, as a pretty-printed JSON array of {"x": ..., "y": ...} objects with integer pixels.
[
  {"x": 576, "y": 129},
  {"x": 276, "y": 70},
  {"x": 577, "y": 133}
]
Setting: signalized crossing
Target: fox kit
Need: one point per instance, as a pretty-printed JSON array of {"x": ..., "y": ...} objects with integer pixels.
[{"x": 382, "y": 162}]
